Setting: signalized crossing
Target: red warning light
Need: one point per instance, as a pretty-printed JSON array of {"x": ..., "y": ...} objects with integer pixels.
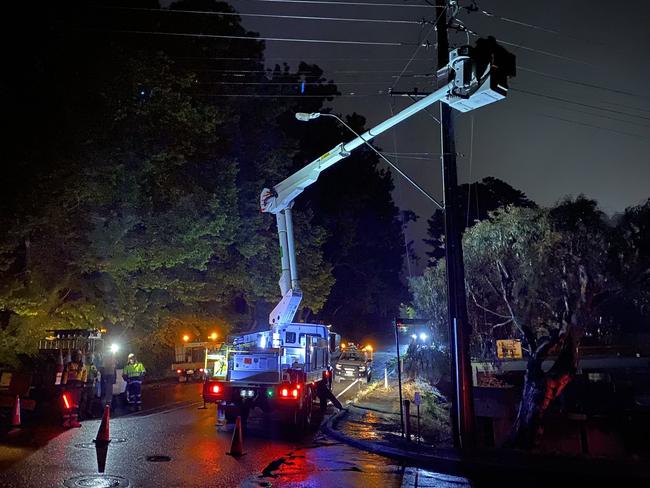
[
  {"x": 284, "y": 392},
  {"x": 216, "y": 388},
  {"x": 178, "y": 371},
  {"x": 66, "y": 401}
]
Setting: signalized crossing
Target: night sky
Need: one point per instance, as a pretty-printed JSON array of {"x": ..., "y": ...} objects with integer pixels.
[{"x": 547, "y": 148}]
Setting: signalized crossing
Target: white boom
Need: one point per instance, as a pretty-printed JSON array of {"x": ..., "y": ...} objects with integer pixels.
[{"x": 478, "y": 77}]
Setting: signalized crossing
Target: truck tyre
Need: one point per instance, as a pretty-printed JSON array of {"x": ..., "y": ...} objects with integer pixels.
[{"x": 302, "y": 417}]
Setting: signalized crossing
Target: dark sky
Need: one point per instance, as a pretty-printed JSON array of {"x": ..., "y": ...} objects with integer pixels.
[{"x": 546, "y": 147}]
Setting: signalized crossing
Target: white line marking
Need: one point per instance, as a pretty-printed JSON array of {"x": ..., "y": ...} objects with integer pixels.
[{"x": 351, "y": 385}]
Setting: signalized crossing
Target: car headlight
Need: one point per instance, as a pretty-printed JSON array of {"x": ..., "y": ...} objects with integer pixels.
[{"x": 337, "y": 366}]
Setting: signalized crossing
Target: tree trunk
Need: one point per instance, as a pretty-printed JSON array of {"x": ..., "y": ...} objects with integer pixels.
[{"x": 540, "y": 390}]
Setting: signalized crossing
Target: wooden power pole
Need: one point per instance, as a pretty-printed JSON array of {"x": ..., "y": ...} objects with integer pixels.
[{"x": 459, "y": 327}]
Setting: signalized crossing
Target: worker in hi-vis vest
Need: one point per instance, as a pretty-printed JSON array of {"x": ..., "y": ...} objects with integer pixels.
[{"x": 133, "y": 374}]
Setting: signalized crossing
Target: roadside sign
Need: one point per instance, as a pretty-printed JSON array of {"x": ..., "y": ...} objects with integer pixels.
[
  {"x": 509, "y": 349},
  {"x": 416, "y": 398}
]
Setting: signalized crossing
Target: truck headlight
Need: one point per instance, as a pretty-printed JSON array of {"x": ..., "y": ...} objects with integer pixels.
[
  {"x": 338, "y": 366},
  {"x": 362, "y": 368}
]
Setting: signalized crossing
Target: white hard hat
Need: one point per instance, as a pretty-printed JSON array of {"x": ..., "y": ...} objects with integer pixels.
[{"x": 131, "y": 355}]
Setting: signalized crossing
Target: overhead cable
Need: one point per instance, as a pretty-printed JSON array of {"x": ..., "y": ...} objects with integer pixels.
[
  {"x": 420, "y": 44},
  {"x": 268, "y": 16},
  {"x": 595, "y": 126},
  {"x": 573, "y": 102},
  {"x": 581, "y": 83},
  {"x": 342, "y": 3},
  {"x": 249, "y": 38}
]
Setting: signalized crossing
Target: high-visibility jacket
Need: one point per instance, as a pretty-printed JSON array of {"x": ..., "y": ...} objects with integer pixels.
[{"x": 134, "y": 371}]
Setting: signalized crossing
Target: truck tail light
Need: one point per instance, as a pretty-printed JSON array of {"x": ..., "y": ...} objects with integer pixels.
[
  {"x": 200, "y": 370},
  {"x": 216, "y": 389},
  {"x": 284, "y": 392},
  {"x": 179, "y": 371},
  {"x": 294, "y": 393}
]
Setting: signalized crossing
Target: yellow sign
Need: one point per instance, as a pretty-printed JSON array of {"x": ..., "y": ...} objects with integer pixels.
[{"x": 509, "y": 349}]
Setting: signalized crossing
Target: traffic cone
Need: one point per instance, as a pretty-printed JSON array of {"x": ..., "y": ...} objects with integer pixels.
[
  {"x": 101, "y": 449},
  {"x": 104, "y": 432},
  {"x": 15, "y": 418},
  {"x": 103, "y": 439},
  {"x": 237, "y": 444}
]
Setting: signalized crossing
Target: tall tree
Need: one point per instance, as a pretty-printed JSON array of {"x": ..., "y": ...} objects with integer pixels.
[
  {"x": 540, "y": 275},
  {"x": 478, "y": 200},
  {"x": 143, "y": 189}
]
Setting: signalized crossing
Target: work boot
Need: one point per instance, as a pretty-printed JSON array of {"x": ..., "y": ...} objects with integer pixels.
[{"x": 74, "y": 422}]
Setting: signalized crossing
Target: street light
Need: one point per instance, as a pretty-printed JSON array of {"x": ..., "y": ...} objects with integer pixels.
[
  {"x": 306, "y": 117},
  {"x": 423, "y": 336},
  {"x": 214, "y": 336},
  {"x": 186, "y": 338},
  {"x": 414, "y": 337},
  {"x": 114, "y": 348}
]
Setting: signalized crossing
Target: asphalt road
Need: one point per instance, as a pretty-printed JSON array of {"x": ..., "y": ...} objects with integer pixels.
[{"x": 191, "y": 451}]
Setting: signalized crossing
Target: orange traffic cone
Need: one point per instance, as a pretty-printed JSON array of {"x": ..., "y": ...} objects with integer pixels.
[
  {"x": 237, "y": 444},
  {"x": 104, "y": 432},
  {"x": 15, "y": 418},
  {"x": 103, "y": 439}
]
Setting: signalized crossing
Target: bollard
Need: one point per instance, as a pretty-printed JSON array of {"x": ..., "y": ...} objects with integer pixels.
[
  {"x": 385, "y": 378},
  {"x": 407, "y": 419}
]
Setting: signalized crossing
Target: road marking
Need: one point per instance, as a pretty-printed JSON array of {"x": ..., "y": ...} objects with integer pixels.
[{"x": 351, "y": 385}]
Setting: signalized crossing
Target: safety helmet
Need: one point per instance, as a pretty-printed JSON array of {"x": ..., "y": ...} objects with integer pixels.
[{"x": 131, "y": 356}]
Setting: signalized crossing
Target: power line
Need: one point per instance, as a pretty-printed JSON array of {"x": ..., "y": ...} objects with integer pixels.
[
  {"x": 537, "y": 51},
  {"x": 581, "y": 83},
  {"x": 475, "y": 8},
  {"x": 581, "y": 104},
  {"x": 257, "y": 39},
  {"x": 420, "y": 44},
  {"x": 295, "y": 83},
  {"x": 594, "y": 126},
  {"x": 281, "y": 58},
  {"x": 342, "y": 3},
  {"x": 256, "y": 95},
  {"x": 269, "y": 16}
]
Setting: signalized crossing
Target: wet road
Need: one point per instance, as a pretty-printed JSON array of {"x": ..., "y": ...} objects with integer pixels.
[{"x": 190, "y": 451}]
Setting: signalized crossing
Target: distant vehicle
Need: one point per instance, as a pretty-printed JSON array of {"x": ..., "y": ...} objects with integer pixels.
[
  {"x": 190, "y": 361},
  {"x": 352, "y": 364}
]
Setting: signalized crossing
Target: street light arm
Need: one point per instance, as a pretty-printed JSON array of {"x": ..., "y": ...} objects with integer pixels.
[
  {"x": 390, "y": 163},
  {"x": 282, "y": 195}
]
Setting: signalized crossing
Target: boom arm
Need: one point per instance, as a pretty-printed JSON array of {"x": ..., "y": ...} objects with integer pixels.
[{"x": 478, "y": 77}]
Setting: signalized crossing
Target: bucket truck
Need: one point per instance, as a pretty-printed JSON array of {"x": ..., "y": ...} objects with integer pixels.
[{"x": 286, "y": 367}]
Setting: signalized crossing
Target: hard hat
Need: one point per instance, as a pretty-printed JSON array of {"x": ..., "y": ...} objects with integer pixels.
[{"x": 130, "y": 356}]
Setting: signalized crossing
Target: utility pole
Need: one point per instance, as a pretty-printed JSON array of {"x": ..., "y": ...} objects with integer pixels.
[{"x": 459, "y": 327}]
